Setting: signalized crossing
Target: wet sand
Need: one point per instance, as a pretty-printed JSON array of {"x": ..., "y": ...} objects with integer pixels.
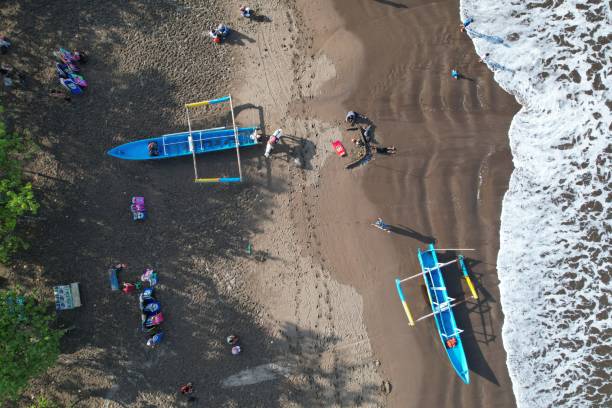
[{"x": 446, "y": 183}]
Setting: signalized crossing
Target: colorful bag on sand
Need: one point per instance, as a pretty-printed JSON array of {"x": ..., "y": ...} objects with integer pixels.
[
  {"x": 139, "y": 211},
  {"x": 150, "y": 276}
]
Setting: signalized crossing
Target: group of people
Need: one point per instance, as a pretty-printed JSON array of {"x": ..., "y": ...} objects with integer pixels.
[
  {"x": 222, "y": 31},
  {"x": 233, "y": 341},
  {"x": 353, "y": 118},
  {"x": 463, "y": 27}
]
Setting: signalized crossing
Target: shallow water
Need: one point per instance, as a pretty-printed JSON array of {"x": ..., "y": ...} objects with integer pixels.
[{"x": 554, "y": 259}]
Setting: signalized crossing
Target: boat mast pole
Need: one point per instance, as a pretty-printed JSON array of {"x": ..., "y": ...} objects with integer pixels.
[
  {"x": 191, "y": 146},
  {"x": 236, "y": 137}
]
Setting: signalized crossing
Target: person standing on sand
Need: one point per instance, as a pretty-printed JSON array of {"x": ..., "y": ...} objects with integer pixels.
[{"x": 272, "y": 141}]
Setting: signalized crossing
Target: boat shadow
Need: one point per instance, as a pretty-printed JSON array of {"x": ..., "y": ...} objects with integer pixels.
[
  {"x": 409, "y": 232},
  {"x": 261, "y": 121},
  {"x": 477, "y": 332}
]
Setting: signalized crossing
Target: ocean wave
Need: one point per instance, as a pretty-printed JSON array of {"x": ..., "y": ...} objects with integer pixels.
[{"x": 554, "y": 261}]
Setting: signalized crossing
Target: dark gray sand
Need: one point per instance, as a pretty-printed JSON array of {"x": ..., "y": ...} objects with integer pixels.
[{"x": 303, "y": 338}]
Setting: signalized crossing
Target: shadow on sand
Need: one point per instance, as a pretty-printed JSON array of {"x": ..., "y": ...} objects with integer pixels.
[
  {"x": 472, "y": 338},
  {"x": 391, "y": 3},
  {"x": 238, "y": 38},
  {"x": 409, "y": 232}
]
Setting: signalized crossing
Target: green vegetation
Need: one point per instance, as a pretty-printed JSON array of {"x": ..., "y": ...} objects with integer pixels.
[
  {"x": 16, "y": 197},
  {"x": 28, "y": 343},
  {"x": 43, "y": 402}
]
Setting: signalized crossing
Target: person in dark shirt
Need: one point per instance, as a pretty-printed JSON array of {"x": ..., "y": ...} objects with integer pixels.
[{"x": 153, "y": 149}]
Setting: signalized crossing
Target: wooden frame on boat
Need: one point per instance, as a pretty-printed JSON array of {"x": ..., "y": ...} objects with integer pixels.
[
  {"x": 215, "y": 101},
  {"x": 441, "y": 305}
]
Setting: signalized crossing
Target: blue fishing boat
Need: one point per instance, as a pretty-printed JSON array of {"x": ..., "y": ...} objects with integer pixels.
[
  {"x": 441, "y": 306},
  {"x": 178, "y": 144}
]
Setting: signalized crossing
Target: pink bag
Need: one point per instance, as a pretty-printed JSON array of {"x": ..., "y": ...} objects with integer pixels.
[{"x": 138, "y": 204}]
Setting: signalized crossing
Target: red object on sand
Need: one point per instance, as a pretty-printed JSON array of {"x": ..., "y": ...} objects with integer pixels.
[
  {"x": 128, "y": 288},
  {"x": 339, "y": 148}
]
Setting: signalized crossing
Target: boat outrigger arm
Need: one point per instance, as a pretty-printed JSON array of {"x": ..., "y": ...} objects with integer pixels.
[
  {"x": 197, "y": 179},
  {"x": 444, "y": 305},
  {"x": 441, "y": 306}
]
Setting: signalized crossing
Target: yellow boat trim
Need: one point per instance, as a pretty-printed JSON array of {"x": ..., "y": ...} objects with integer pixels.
[
  {"x": 196, "y": 104},
  {"x": 472, "y": 288}
]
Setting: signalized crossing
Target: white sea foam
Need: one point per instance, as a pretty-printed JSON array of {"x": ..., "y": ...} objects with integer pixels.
[{"x": 554, "y": 261}]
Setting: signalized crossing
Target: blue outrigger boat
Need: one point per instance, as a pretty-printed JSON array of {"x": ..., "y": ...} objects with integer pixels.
[
  {"x": 177, "y": 144},
  {"x": 441, "y": 306},
  {"x": 193, "y": 142}
]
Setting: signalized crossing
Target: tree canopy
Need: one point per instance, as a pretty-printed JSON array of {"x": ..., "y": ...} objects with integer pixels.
[
  {"x": 16, "y": 196},
  {"x": 28, "y": 342}
]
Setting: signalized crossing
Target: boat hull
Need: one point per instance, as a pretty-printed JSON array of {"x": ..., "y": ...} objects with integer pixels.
[
  {"x": 445, "y": 319},
  {"x": 177, "y": 144}
]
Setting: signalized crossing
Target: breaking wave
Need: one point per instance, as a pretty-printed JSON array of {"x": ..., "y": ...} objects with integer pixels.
[{"x": 554, "y": 260}]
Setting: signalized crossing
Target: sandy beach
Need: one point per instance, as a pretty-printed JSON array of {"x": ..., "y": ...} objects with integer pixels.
[
  {"x": 287, "y": 260},
  {"x": 445, "y": 185}
]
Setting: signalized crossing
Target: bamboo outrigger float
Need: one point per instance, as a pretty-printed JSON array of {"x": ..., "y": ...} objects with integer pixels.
[{"x": 441, "y": 306}]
